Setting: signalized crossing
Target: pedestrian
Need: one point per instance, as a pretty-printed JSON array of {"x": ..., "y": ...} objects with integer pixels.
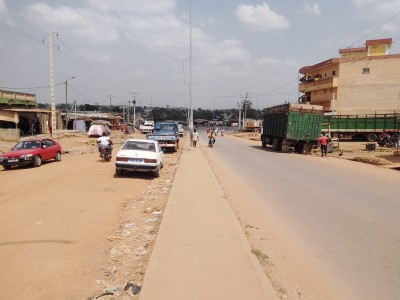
[
  {"x": 195, "y": 137},
  {"x": 323, "y": 142}
]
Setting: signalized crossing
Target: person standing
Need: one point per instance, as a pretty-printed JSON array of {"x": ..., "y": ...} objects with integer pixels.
[
  {"x": 195, "y": 137},
  {"x": 323, "y": 142}
]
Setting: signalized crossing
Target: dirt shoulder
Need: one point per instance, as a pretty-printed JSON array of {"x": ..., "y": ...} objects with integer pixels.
[
  {"x": 351, "y": 150},
  {"x": 76, "y": 230}
]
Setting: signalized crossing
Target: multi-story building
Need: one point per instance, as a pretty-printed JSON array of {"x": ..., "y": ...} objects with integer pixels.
[{"x": 363, "y": 80}]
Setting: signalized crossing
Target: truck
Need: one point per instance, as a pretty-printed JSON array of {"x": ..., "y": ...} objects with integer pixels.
[
  {"x": 147, "y": 127},
  {"x": 166, "y": 134},
  {"x": 366, "y": 127},
  {"x": 292, "y": 125},
  {"x": 252, "y": 125}
]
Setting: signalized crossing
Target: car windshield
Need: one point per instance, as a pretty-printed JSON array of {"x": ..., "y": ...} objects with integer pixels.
[
  {"x": 143, "y": 146},
  {"x": 27, "y": 145},
  {"x": 167, "y": 127}
]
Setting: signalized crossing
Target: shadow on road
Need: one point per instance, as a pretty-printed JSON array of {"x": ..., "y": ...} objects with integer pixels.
[{"x": 36, "y": 242}]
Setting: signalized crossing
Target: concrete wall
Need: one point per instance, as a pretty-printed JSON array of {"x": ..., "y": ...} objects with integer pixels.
[
  {"x": 376, "y": 91},
  {"x": 9, "y": 135}
]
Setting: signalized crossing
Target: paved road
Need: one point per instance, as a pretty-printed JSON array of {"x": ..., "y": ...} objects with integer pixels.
[{"x": 342, "y": 217}]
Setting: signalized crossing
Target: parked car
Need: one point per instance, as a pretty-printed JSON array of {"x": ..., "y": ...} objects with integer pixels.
[
  {"x": 31, "y": 152},
  {"x": 181, "y": 130},
  {"x": 138, "y": 155}
]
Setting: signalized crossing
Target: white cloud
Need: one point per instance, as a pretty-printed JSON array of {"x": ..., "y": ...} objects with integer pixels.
[
  {"x": 261, "y": 17},
  {"x": 312, "y": 8},
  {"x": 4, "y": 13},
  {"x": 271, "y": 62},
  {"x": 376, "y": 9},
  {"x": 96, "y": 56},
  {"x": 225, "y": 52},
  {"x": 136, "y": 6},
  {"x": 82, "y": 23}
]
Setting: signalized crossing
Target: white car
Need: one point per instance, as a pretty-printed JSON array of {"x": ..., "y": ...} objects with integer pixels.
[
  {"x": 181, "y": 130},
  {"x": 138, "y": 155}
]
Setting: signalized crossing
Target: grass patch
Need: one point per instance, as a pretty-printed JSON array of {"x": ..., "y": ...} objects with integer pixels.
[{"x": 262, "y": 258}]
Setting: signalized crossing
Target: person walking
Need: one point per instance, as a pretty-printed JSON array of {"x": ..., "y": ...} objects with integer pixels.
[
  {"x": 323, "y": 142},
  {"x": 195, "y": 137}
]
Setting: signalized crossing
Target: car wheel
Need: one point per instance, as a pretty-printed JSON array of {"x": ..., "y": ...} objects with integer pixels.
[
  {"x": 37, "y": 161},
  {"x": 118, "y": 172},
  {"x": 157, "y": 173},
  {"x": 58, "y": 156},
  {"x": 6, "y": 168}
]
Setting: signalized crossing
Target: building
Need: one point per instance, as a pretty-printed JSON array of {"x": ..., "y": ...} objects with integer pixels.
[
  {"x": 19, "y": 116},
  {"x": 363, "y": 80}
]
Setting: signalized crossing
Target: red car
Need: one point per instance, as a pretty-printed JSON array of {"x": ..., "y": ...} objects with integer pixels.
[{"x": 31, "y": 152}]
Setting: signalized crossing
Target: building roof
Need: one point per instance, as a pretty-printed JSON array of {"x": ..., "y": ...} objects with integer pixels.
[
  {"x": 379, "y": 42},
  {"x": 388, "y": 41},
  {"x": 351, "y": 50}
]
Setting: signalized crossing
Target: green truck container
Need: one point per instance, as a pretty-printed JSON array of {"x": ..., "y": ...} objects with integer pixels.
[
  {"x": 367, "y": 127},
  {"x": 292, "y": 125}
]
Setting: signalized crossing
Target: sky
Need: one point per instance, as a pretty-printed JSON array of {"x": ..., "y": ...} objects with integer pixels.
[{"x": 124, "y": 50}]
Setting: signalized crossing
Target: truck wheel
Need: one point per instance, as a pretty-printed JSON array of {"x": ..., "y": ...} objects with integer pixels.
[
  {"x": 372, "y": 137},
  {"x": 263, "y": 143},
  {"x": 277, "y": 144}
]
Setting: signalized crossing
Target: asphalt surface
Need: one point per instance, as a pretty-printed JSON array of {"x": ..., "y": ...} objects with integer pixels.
[{"x": 335, "y": 221}]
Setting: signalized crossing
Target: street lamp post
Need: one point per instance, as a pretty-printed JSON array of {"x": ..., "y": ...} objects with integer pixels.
[
  {"x": 66, "y": 101},
  {"x": 214, "y": 109}
]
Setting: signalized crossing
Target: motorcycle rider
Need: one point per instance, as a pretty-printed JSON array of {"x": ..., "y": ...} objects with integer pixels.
[
  {"x": 104, "y": 141},
  {"x": 383, "y": 138},
  {"x": 211, "y": 140}
]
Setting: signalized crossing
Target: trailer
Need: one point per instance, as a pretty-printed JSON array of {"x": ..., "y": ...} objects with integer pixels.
[
  {"x": 292, "y": 126},
  {"x": 366, "y": 127}
]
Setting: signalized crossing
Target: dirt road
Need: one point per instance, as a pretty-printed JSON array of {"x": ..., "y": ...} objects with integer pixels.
[{"x": 71, "y": 229}]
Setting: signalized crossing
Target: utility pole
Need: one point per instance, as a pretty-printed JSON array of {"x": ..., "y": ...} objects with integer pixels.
[
  {"x": 129, "y": 111},
  {"x": 240, "y": 114},
  {"x": 134, "y": 111},
  {"x": 123, "y": 111},
  {"x": 66, "y": 101},
  {"x": 110, "y": 102},
  {"x": 53, "y": 128},
  {"x": 245, "y": 110}
]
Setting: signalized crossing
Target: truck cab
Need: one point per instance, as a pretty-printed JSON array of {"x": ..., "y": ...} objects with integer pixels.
[{"x": 167, "y": 135}]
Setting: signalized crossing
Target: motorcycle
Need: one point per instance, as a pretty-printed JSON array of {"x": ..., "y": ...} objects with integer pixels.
[
  {"x": 211, "y": 142},
  {"x": 105, "y": 152},
  {"x": 387, "y": 142}
]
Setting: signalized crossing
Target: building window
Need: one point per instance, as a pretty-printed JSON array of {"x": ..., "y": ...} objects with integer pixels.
[
  {"x": 333, "y": 73},
  {"x": 365, "y": 70}
]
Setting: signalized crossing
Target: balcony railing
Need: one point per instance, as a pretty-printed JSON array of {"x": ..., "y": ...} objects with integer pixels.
[
  {"x": 317, "y": 84},
  {"x": 327, "y": 105}
]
